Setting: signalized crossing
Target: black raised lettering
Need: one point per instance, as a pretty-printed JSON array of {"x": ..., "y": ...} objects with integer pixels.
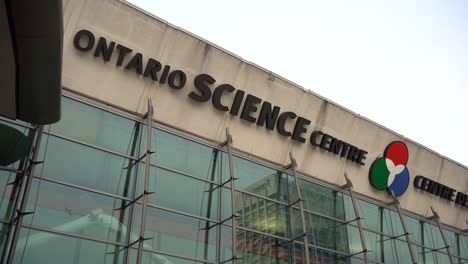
[
  {"x": 217, "y": 94},
  {"x": 325, "y": 141},
  {"x": 361, "y": 157},
  {"x": 201, "y": 82},
  {"x": 237, "y": 102},
  {"x": 136, "y": 63},
  {"x": 417, "y": 182},
  {"x": 78, "y": 40},
  {"x": 152, "y": 67},
  {"x": 250, "y": 106},
  {"x": 123, "y": 51},
  {"x": 268, "y": 116},
  {"x": 165, "y": 74},
  {"x": 280, "y": 125},
  {"x": 314, "y": 136},
  {"x": 177, "y": 74},
  {"x": 299, "y": 129},
  {"x": 103, "y": 50}
]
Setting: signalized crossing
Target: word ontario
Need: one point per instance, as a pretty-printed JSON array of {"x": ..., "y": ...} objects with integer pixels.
[{"x": 246, "y": 106}]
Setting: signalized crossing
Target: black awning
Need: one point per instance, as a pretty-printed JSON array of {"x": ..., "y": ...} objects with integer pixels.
[{"x": 31, "y": 40}]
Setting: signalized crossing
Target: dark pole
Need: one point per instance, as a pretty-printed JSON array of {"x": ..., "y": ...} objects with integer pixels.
[{"x": 21, "y": 211}]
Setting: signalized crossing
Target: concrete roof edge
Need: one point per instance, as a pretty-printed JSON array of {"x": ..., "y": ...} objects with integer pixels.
[{"x": 284, "y": 79}]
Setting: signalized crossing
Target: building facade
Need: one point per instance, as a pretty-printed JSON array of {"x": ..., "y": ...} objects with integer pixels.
[{"x": 173, "y": 150}]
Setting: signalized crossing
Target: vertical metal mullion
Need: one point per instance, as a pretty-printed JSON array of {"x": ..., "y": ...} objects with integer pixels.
[
  {"x": 405, "y": 230},
  {"x": 349, "y": 186},
  {"x": 435, "y": 217},
  {"x": 24, "y": 200},
  {"x": 208, "y": 212},
  {"x": 301, "y": 208},
  {"x": 233, "y": 202},
  {"x": 135, "y": 185},
  {"x": 149, "y": 119},
  {"x": 16, "y": 192}
]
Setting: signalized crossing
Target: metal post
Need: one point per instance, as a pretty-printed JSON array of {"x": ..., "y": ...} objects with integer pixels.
[
  {"x": 436, "y": 217},
  {"x": 233, "y": 202},
  {"x": 208, "y": 211},
  {"x": 405, "y": 230},
  {"x": 20, "y": 212},
  {"x": 16, "y": 193},
  {"x": 301, "y": 208},
  {"x": 349, "y": 186},
  {"x": 141, "y": 239},
  {"x": 135, "y": 149}
]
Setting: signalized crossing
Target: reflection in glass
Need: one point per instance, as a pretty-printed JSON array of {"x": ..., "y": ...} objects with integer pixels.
[
  {"x": 76, "y": 211},
  {"x": 257, "y": 248},
  {"x": 85, "y": 166},
  {"x": 47, "y": 248}
]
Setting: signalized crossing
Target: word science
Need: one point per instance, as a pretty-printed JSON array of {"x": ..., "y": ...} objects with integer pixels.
[{"x": 247, "y": 107}]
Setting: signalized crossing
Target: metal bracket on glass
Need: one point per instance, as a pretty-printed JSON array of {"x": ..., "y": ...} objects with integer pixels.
[
  {"x": 435, "y": 217},
  {"x": 233, "y": 259},
  {"x": 220, "y": 223},
  {"x": 396, "y": 203},
  {"x": 221, "y": 185},
  {"x": 228, "y": 143},
  {"x": 365, "y": 251},
  {"x": 139, "y": 159},
  {"x": 395, "y": 237},
  {"x": 352, "y": 220},
  {"x": 349, "y": 187},
  {"x": 292, "y": 239},
  {"x": 20, "y": 212}
]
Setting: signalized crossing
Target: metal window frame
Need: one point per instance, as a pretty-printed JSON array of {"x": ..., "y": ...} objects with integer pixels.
[{"x": 242, "y": 155}]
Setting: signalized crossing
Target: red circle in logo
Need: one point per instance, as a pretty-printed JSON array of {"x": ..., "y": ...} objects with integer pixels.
[{"x": 397, "y": 152}]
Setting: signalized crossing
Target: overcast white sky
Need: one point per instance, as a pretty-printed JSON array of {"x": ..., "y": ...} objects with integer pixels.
[{"x": 401, "y": 63}]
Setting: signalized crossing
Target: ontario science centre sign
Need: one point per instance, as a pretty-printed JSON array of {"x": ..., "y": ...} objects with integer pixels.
[{"x": 247, "y": 107}]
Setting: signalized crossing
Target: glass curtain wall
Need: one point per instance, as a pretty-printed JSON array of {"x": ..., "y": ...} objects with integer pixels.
[{"x": 86, "y": 203}]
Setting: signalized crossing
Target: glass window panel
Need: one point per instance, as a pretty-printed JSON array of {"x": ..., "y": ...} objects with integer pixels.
[
  {"x": 260, "y": 180},
  {"x": 323, "y": 200},
  {"x": 463, "y": 240},
  {"x": 186, "y": 194},
  {"x": 8, "y": 193},
  {"x": 261, "y": 215},
  {"x": 149, "y": 257},
  {"x": 333, "y": 235},
  {"x": 432, "y": 237},
  {"x": 95, "y": 126},
  {"x": 81, "y": 165},
  {"x": 391, "y": 223},
  {"x": 256, "y": 248},
  {"x": 317, "y": 255},
  {"x": 76, "y": 211},
  {"x": 3, "y": 233},
  {"x": 186, "y": 156},
  {"x": 374, "y": 244},
  {"x": 47, "y": 248},
  {"x": 396, "y": 251},
  {"x": 370, "y": 214},
  {"x": 436, "y": 258},
  {"x": 177, "y": 234},
  {"x": 414, "y": 229},
  {"x": 452, "y": 240}
]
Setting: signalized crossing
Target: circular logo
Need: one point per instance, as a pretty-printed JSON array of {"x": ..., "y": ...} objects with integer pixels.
[{"x": 390, "y": 172}]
